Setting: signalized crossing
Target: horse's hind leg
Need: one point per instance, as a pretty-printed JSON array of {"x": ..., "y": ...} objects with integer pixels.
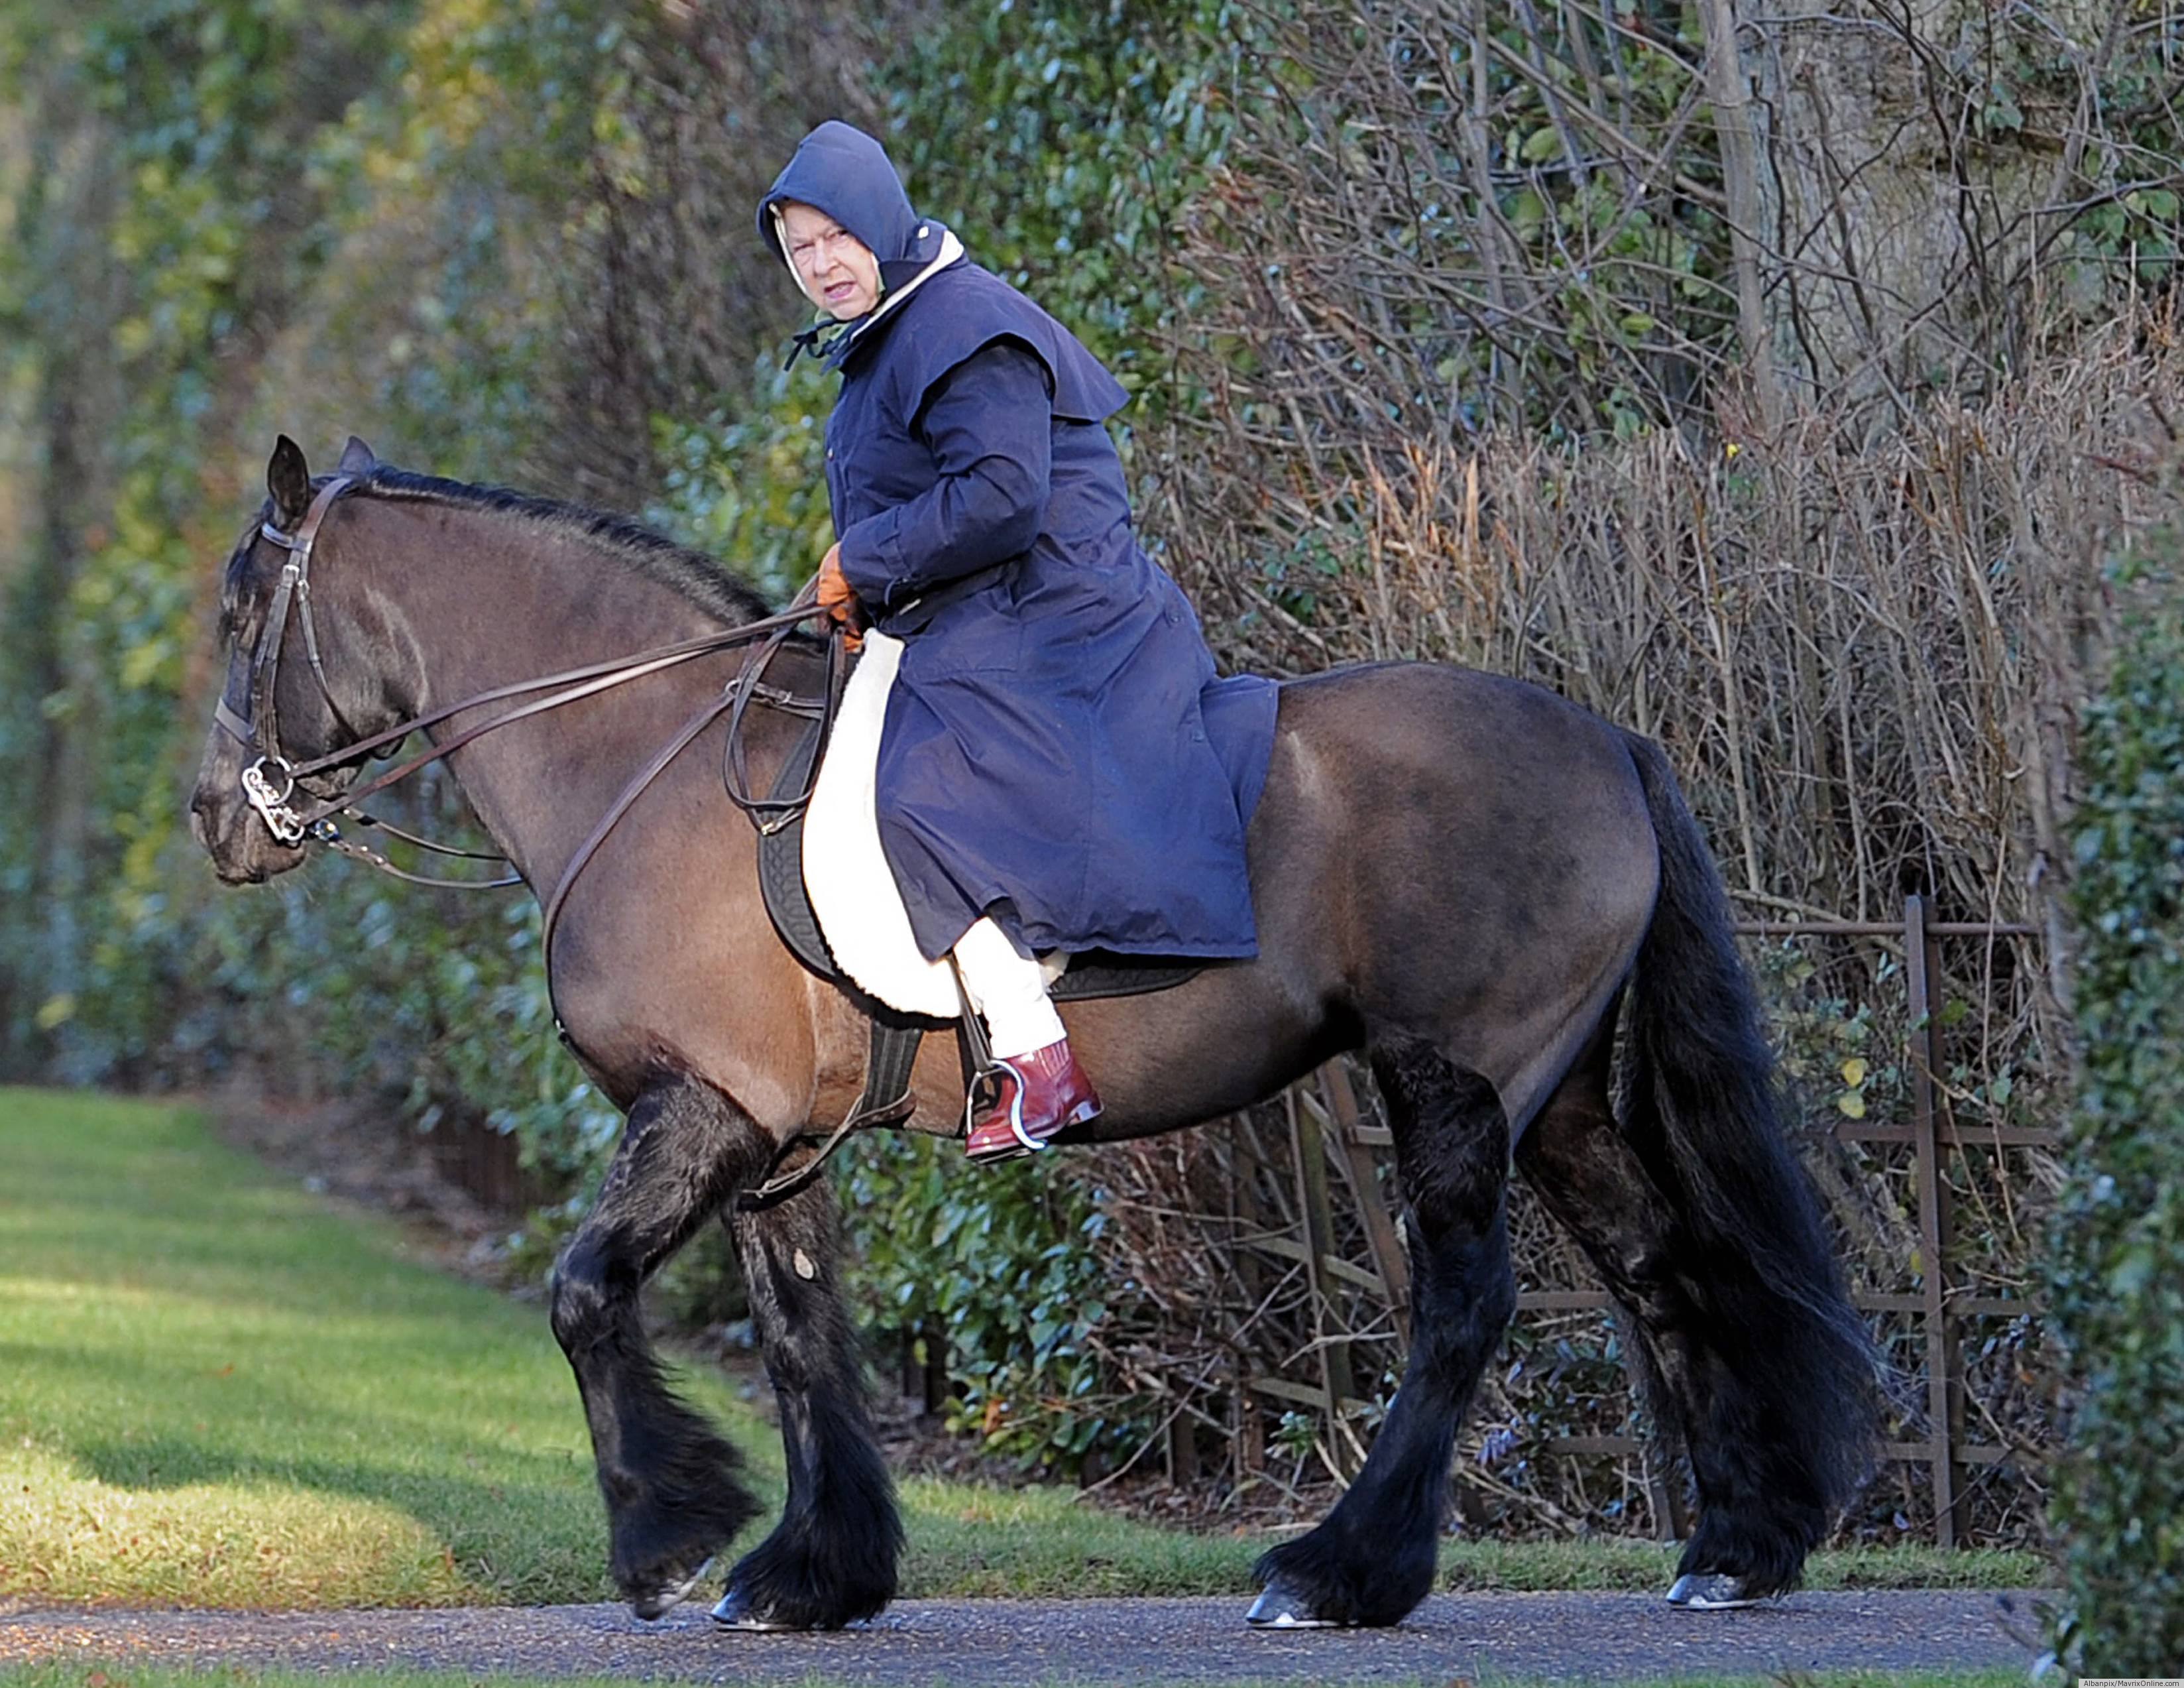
[
  {"x": 1372, "y": 1558},
  {"x": 1759, "y": 1515},
  {"x": 831, "y": 1558},
  {"x": 670, "y": 1480}
]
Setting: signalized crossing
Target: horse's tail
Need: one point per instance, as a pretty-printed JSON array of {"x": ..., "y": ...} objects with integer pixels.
[{"x": 1792, "y": 1413}]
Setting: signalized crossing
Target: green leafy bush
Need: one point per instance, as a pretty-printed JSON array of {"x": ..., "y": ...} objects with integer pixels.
[
  {"x": 999, "y": 1264},
  {"x": 2119, "y": 1256}
]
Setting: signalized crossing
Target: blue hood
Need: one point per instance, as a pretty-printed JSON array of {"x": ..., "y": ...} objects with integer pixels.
[{"x": 844, "y": 172}]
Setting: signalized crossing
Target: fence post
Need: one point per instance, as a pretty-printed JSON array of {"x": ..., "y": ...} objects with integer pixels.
[
  {"x": 1942, "y": 1394},
  {"x": 1309, "y": 1144},
  {"x": 1388, "y": 1257}
]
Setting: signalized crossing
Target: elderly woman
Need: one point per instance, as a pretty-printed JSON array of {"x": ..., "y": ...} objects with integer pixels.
[{"x": 1059, "y": 768}]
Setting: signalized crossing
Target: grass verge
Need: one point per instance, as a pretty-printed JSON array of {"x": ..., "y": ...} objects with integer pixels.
[
  {"x": 213, "y": 1392},
  {"x": 131, "y": 1675},
  {"x": 1041, "y": 1542}
]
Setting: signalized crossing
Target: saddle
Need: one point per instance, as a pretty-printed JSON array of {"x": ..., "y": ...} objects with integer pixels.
[{"x": 896, "y": 1037}]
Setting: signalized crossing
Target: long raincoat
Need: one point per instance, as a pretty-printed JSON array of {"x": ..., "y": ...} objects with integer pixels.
[{"x": 1058, "y": 752}]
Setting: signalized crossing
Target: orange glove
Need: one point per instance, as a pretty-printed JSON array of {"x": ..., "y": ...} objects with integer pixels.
[{"x": 836, "y": 597}]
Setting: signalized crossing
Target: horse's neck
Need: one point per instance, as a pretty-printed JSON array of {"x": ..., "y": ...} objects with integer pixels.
[{"x": 489, "y": 600}]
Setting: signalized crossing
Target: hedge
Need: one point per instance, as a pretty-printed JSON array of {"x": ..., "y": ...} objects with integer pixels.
[{"x": 2119, "y": 1240}]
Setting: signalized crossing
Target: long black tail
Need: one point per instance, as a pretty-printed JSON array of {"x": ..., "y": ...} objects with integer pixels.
[{"x": 1791, "y": 1423}]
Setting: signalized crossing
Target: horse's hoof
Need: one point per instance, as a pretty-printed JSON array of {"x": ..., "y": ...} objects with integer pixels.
[
  {"x": 658, "y": 1603},
  {"x": 1710, "y": 1592},
  {"x": 1279, "y": 1607},
  {"x": 738, "y": 1611}
]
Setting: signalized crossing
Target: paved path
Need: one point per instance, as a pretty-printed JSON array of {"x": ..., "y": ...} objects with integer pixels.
[{"x": 1572, "y": 1637}]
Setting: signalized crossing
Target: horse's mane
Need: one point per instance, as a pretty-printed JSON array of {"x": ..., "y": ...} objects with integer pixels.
[{"x": 696, "y": 576}]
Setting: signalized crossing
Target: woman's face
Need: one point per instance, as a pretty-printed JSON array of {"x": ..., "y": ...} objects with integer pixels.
[{"x": 839, "y": 272}]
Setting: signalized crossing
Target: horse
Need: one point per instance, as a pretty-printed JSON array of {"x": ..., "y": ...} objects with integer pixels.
[{"x": 1467, "y": 877}]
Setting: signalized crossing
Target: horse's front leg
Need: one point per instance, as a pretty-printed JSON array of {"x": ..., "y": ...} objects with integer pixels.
[
  {"x": 831, "y": 1560},
  {"x": 669, "y": 1480}
]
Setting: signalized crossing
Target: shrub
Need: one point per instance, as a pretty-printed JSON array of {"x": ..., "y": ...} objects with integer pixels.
[
  {"x": 2118, "y": 1252},
  {"x": 999, "y": 1265}
]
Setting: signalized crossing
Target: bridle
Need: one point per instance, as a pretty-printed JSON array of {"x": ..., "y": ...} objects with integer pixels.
[
  {"x": 272, "y": 780},
  {"x": 259, "y": 729}
]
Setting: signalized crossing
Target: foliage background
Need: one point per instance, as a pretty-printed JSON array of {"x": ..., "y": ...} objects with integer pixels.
[
  {"x": 2119, "y": 1297},
  {"x": 1779, "y": 387}
]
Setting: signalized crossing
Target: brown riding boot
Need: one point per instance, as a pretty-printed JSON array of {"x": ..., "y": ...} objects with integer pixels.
[{"x": 1040, "y": 1094}]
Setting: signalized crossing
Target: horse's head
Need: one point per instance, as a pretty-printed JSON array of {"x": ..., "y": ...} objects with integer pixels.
[{"x": 306, "y": 675}]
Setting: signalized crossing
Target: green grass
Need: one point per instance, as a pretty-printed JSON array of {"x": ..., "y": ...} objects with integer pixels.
[
  {"x": 1484, "y": 1566},
  {"x": 213, "y": 1392},
  {"x": 1042, "y": 1542},
  {"x": 133, "y": 1675}
]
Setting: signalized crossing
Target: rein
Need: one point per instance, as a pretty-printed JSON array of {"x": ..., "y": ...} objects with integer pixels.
[
  {"x": 272, "y": 780},
  {"x": 734, "y": 699}
]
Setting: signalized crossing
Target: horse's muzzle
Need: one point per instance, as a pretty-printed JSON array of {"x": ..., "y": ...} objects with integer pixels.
[{"x": 231, "y": 834}]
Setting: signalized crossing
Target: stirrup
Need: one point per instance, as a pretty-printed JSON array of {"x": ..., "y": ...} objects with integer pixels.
[{"x": 1026, "y": 1143}]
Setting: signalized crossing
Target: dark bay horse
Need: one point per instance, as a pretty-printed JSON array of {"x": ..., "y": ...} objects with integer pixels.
[{"x": 1464, "y": 876}]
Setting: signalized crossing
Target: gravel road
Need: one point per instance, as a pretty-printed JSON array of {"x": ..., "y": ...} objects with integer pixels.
[{"x": 1570, "y": 1637}]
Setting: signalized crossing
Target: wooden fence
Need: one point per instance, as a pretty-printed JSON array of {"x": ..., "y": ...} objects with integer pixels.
[{"x": 1324, "y": 1117}]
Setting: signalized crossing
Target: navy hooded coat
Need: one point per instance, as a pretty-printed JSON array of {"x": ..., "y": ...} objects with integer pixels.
[{"x": 1058, "y": 752}]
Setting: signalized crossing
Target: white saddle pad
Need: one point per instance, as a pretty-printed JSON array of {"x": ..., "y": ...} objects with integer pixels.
[{"x": 852, "y": 888}]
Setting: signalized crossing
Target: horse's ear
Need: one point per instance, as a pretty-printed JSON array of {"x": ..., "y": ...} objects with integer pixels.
[
  {"x": 288, "y": 479},
  {"x": 356, "y": 458}
]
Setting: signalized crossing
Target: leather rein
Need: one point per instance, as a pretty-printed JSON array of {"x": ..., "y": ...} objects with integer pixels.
[{"x": 270, "y": 782}]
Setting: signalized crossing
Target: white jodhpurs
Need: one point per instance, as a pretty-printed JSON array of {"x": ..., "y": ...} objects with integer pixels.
[{"x": 1009, "y": 992}]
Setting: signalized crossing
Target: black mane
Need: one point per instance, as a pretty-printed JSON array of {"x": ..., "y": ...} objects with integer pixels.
[{"x": 696, "y": 576}]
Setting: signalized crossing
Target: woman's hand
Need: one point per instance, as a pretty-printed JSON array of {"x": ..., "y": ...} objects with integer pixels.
[{"x": 836, "y": 597}]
